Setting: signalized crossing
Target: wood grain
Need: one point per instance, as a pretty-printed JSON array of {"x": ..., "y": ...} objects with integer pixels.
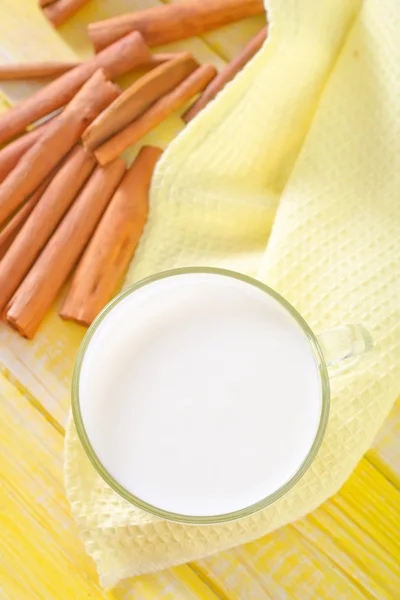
[
  {"x": 347, "y": 550},
  {"x": 42, "y": 556}
]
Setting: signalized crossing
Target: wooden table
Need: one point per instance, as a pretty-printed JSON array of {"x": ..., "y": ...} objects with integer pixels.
[{"x": 347, "y": 549}]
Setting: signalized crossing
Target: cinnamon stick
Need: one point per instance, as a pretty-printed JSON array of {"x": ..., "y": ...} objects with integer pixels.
[
  {"x": 61, "y": 135},
  {"x": 43, "y": 220},
  {"x": 226, "y": 74},
  {"x": 157, "y": 113},
  {"x": 173, "y": 22},
  {"x": 14, "y": 225},
  {"x": 137, "y": 98},
  {"x": 60, "y": 11},
  {"x": 10, "y": 154},
  {"x": 43, "y": 3},
  {"x": 31, "y": 301},
  {"x": 34, "y": 70},
  {"x": 109, "y": 252},
  {"x": 160, "y": 58},
  {"x": 123, "y": 56}
]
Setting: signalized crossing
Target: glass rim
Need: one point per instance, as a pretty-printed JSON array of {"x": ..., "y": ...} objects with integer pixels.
[{"x": 209, "y": 519}]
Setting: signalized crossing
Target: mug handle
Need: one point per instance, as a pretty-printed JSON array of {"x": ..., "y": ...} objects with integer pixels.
[{"x": 343, "y": 346}]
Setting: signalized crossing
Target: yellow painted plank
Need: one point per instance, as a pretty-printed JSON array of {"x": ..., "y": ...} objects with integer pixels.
[
  {"x": 227, "y": 573},
  {"x": 373, "y": 503},
  {"x": 44, "y": 366},
  {"x": 329, "y": 564},
  {"x": 287, "y": 566},
  {"x": 180, "y": 583},
  {"x": 336, "y": 550},
  {"x": 41, "y": 556},
  {"x": 385, "y": 454},
  {"x": 320, "y": 561},
  {"x": 350, "y": 548},
  {"x": 358, "y": 531},
  {"x": 281, "y": 565},
  {"x": 248, "y": 570}
]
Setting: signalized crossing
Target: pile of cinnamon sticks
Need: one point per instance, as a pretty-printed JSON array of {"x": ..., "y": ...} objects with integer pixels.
[{"x": 67, "y": 201}]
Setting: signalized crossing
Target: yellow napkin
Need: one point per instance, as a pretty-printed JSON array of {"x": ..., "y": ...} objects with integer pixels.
[{"x": 306, "y": 141}]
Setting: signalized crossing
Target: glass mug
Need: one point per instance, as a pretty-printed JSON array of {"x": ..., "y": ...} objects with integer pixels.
[{"x": 201, "y": 396}]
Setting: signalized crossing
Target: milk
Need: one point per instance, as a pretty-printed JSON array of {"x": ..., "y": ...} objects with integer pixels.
[{"x": 200, "y": 394}]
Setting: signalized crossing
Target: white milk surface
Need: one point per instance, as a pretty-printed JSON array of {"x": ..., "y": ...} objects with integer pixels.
[{"x": 200, "y": 394}]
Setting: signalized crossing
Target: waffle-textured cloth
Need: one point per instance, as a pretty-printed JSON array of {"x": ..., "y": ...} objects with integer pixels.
[{"x": 306, "y": 142}]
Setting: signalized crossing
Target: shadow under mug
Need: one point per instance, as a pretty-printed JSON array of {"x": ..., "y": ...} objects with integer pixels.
[{"x": 338, "y": 350}]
